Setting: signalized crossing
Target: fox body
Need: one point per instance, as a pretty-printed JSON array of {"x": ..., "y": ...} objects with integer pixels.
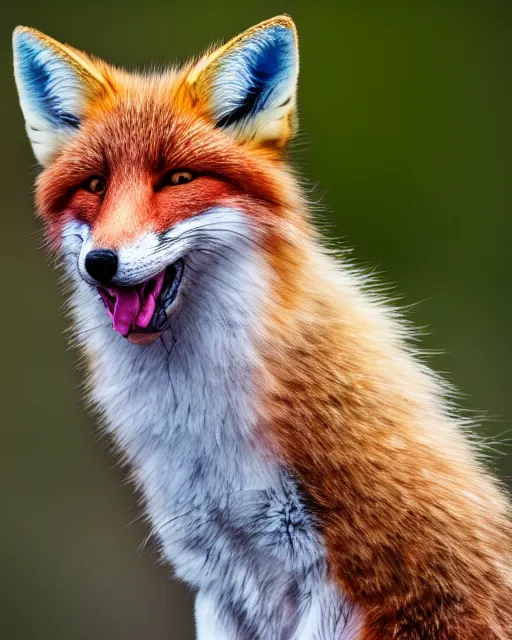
[{"x": 301, "y": 468}]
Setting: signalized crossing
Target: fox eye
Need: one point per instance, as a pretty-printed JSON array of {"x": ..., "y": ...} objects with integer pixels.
[
  {"x": 96, "y": 185},
  {"x": 175, "y": 178}
]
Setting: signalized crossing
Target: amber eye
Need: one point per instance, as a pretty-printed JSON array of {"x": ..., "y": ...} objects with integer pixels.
[
  {"x": 96, "y": 185},
  {"x": 174, "y": 178}
]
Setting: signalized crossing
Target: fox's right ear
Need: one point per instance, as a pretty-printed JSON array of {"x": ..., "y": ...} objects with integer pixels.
[{"x": 55, "y": 85}]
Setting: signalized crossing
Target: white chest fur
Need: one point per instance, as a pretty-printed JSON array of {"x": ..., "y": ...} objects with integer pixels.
[{"x": 228, "y": 517}]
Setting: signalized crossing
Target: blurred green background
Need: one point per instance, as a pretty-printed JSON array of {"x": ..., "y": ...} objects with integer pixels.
[{"x": 406, "y": 117}]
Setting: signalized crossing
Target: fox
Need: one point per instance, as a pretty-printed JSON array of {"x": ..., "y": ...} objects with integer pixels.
[{"x": 303, "y": 470}]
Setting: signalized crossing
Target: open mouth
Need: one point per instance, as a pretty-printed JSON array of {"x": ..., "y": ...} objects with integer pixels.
[{"x": 139, "y": 312}]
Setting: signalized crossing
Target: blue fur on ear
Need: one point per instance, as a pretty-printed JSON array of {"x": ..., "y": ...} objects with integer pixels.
[
  {"x": 260, "y": 73},
  {"x": 49, "y": 85}
]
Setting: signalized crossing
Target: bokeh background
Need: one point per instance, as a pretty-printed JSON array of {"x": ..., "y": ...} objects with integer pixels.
[{"x": 406, "y": 115}]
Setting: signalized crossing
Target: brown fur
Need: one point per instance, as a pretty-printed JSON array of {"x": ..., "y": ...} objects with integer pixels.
[{"x": 418, "y": 533}]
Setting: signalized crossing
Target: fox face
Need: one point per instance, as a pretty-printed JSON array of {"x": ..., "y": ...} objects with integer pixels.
[{"x": 148, "y": 177}]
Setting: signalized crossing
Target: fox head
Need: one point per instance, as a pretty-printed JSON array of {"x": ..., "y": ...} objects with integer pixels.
[{"x": 150, "y": 179}]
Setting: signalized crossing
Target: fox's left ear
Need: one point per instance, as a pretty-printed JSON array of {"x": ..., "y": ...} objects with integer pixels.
[
  {"x": 56, "y": 84},
  {"x": 248, "y": 86}
]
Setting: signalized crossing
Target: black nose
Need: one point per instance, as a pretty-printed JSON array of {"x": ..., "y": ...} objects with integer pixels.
[{"x": 101, "y": 264}]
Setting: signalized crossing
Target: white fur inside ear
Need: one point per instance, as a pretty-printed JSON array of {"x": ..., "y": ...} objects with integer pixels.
[
  {"x": 255, "y": 84},
  {"x": 52, "y": 94}
]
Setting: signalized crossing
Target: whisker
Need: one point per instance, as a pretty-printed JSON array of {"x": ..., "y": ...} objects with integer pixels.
[
  {"x": 85, "y": 332},
  {"x": 72, "y": 235},
  {"x": 150, "y": 534},
  {"x": 195, "y": 233}
]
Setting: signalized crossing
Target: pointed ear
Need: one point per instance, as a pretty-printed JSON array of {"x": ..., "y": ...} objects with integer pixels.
[
  {"x": 249, "y": 85},
  {"x": 55, "y": 84}
]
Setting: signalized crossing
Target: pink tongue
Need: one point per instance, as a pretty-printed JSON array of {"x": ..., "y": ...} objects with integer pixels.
[
  {"x": 126, "y": 309},
  {"x": 134, "y": 306}
]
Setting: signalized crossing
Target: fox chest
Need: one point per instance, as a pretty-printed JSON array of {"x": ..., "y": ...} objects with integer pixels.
[
  {"x": 213, "y": 497},
  {"x": 216, "y": 504},
  {"x": 227, "y": 516}
]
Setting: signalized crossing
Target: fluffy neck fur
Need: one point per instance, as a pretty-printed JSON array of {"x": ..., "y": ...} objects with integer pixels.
[
  {"x": 312, "y": 392},
  {"x": 416, "y": 530}
]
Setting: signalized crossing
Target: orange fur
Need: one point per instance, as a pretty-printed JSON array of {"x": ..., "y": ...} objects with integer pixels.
[{"x": 417, "y": 532}]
